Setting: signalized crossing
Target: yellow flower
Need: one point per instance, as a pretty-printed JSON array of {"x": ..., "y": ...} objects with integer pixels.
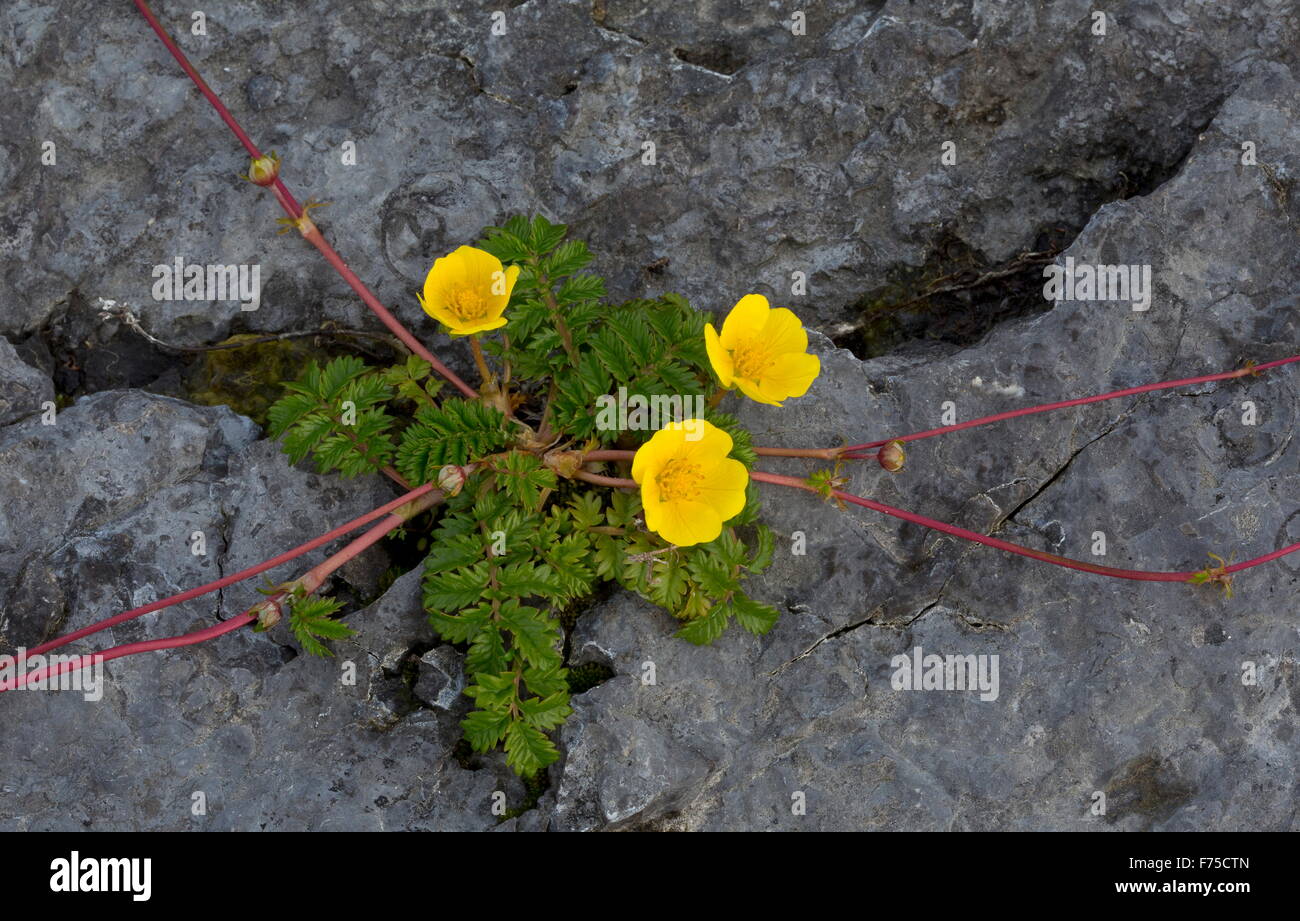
[
  {"x": 689, "y": 486},
  {"x": 467, "y": 291},
  {"x": 762, "y": 351}
]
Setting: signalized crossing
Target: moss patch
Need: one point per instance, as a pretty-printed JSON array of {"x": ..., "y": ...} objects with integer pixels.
[
  {"x": 250, "y": 379},
  {"x": 587, "y": 676}
]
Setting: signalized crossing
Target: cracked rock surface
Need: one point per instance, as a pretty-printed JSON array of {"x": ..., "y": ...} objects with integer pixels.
[
  {"x": 775, "y": 153},
  {"x": 24, "y": 390},
  {"x": 1131, "y": 689},
  {"x": 268, "y": 738}
]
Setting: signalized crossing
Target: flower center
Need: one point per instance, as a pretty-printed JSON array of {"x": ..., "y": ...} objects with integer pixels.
[
  {"x": 752, "y": 358},
  {"x": 679, "y": 480},
  {"x": 468, "y": 304}
]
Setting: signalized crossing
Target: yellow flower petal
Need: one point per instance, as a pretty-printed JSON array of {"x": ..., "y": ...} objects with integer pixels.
[
  {"x": 763, "y": 352},
  {"x": 748, "y": 316},
  {"x": 511, "y": 276},
  {"x": 652, "y": 455},
  {"x": 468, "y": 291},
  {"x": 689, "y": 488},
  {"x": 480, "y": 327},
  {"x": 688, "y": 523},
  {"x": 435, "y": 309},
  {"x": 791, "y": 376},
  {"x": 719, "y": 357},
  {"x": 754, "y": 392},
  {"x": 725, "y": 491},
  {"x": 711, "y": 440},
  {"x": 653, "y": 509},
  {"x": 783, "y": 332}
]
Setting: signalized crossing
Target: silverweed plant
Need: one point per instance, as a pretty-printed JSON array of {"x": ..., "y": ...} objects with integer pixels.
[
  {"x": 592, "y": 452},
  {"x": 529, "y": 526}
]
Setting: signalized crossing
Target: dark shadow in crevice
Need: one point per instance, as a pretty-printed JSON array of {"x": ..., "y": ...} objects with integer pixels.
[
  {"x": 718, "y": 57},
  {"x": 958, "y": 295}
]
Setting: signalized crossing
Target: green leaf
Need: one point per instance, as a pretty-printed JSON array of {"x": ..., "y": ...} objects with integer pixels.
[
  {"x": 568, "y": 559},
  {"x": 704, "y": 630},
  {"x": 456, "y": 432},
  {"x": 458, "y": 588},
  {"x": 485, "y": 728},
  {"x": 547, "y": 712},
  {"x": 546, "y": 680},
  {"x": 453, "y": 550},
  {"x": 487, "y": 653},
  {"x": 543, "y": 236},
  {"x": 462, "y": 627},
  {"x": 588, "y": 510},
  {"x": 664, "y": 580},
  {"x": 310, "y": 620},
  {"x": 754, "y": 616},
  {"x": 336, "y": 414},
  {"x": 762, "y": 557},
  {"x": 569, "y": 257},
  {"x": 523, "y": 477},
  {"x": 521, "y": 579},
  {"x": 535, "y": 635},
  {"x": 288, "y": 411},
  {"x": 608, "y": 558},
  {"x": 527, "y": 749},
  {"x": 581, "y": 288},
  {"x": 712, "y": 572},
  {"x": 493, "y": 690}
]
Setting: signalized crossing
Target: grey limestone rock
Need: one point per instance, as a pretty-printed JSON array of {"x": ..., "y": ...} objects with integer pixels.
[
  {"x": 1128, "y": 688},
  {"x": 774, "y": 153}
]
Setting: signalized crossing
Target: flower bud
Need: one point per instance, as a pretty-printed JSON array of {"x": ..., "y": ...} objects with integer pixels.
[
  {"x": 264, "y": 170},
  {"x": 451, "y": 479},
  {"x": 892, "y": 456},
  {"x": 268, "y": 615},
  {"x": 564, "y": 463}
]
